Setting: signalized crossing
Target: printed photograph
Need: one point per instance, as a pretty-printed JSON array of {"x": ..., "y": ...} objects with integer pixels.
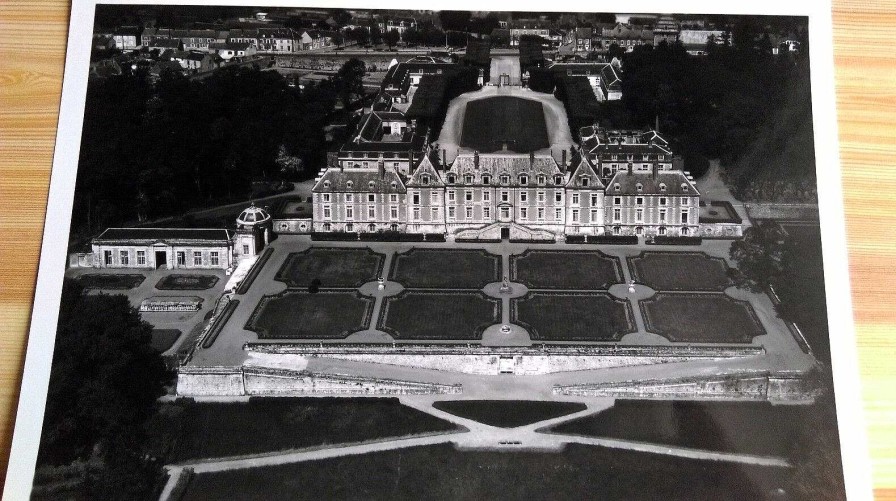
[{"x": 335, "y": 253}]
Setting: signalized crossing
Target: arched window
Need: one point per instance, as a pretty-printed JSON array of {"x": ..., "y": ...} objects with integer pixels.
[
  {"x": 684, "y": 186},
  {"x": 393, "y": 227},
  {"x": 394, "y": 184},
  {"x": 639, "y": 187},
  {"x": 371, "y": 185},
  {"x": 349, "y": 227},
  {"x": 662, "y": 186},
  {"x": 349, "y": 184},
  {"x": 684, "y": 232},
  {"x": 451, "y": 178},
  {"x": 371, "y": 227},
  {"x": 326, "y": 184},
  {"x": 327, "y": 226},
  {"x": 540, "y": 179}
]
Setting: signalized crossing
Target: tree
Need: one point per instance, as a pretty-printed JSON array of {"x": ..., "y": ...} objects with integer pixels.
[
  {"x": 349, "y": 81},
  {"x": 760, "y": 255},
  {"x": 391, "y": 37}
]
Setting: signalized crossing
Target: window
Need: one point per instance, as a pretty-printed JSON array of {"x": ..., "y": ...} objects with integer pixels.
[
  {"x": 540, "y": 179},
  {"x": 371, "y": 212},
  {"x": 213, "y": 258},
  {"x": 197, "y": 258},
  {"x": 435, "y": 213},
  {"x": 684, "y": 232},
  {"x": 371, "y": 227},
  {"x": 468, "y": 196},
  {"x": 558, "y": 180},
  {"x": 469, "y": 212},
  {"x": 434, "y": 196},
  {"x": 393, "y": 227},
  {"x": 327, "y": 226},
  {"x": 575, "y": 199},
  {"x": 182, "y": 256},
  {"x": 558, "y": 214},
  {"x": 141, "y": 257},
  {"x": 524, "y": 197},
  {"x": 349, "y": 184},
  {"x": 639, "y": 200},
  {"x": 124, "y": 257},
  {"x": 617, "y": 230},
  {"x": 393, "y": 198},
  {"x": 505, "y": 179},
  {"x": 451, "y": 178},
  {"x": 327, "y": 212},
  {"x": 350, "y": 227},
  {"x": 617, "y": 215},
  {"x": 326, "y": 197},
  {"x": 326, "y": 184},
  {"x": 639, "y": 215},
  {"x": 416, "y": 198},
  {"x": 684, "y": 217},
  {"x": 505, "y": 196},
  {"x": 450, "y": 212},
  {"x": 662, "y": 215},
  {"x": 371, "y": 198},
  {"x": 616, "y": 186},
  {"x": 486, "y": 196},
  {"x": 662, "y": 230},
  {"x": 416, "y": 214},
  {"x": 617, "y": 200},
  {"x": 639, "y": 230},
  {"x": 349, "y": 198},
  {"x": 486, "y": 212},
  {"x": 371, "y": 185},
  {"x": 524, "y": 179},
  {"x": 639, "y": 187},
  {"x": 468, "y": 179},
  {"x": 450, "y": 196},
  {"x": 505, "y": 212},
  {"x": 593, "y": 215},
  {"x": 663, "y": 187},
  {"x": 558, "y": 197},
  {"x": 393, "y": 212},
  {"x": 540, "y": 197},
  {"x": 685, "y": 201},
  {"x": 424, "y": 179},
  {"x": 575, "y": 215},
  {"x": 583, "y": 181},
  {"x": 524, "y": 213},
  {"x": 349, "y": 212},
  {"x": 486, "y": 179},
  {"x": 662, "y": 200},
  {"x": 594, "y": 199}
]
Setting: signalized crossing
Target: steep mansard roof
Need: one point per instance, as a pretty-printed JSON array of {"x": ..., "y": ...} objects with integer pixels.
[
  {"x": 675, "y": 183},
  {"x": 505, "y": 163},
  {"x": 359, "y": 181}
]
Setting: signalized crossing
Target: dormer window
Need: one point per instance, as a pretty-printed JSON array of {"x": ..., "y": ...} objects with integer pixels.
[
  {"x": 662, "y": 186},
  {"x": 451, "y": 178},
  {"x": 468, "y": 179},
  {"x": 616, "y": 186},
  {"x": 371, "y": 184},
  {"x": 583, "y": 181},
  {"x": 326, "y": 184},
  {"x": 524, "y": 179},
  {"x": 394, "y": 184},
  {"x": 558, "y": 180},
  {"x": 486, "y": 179},
  {"x": 684, "y": 187},
  {"x": 424, "y": 179},
  {"x": 540, "y": 179},
  {"x": 639, "y": 187},
  {"x": 349, "y": 184},
  {"x": 505, "y": 179}
]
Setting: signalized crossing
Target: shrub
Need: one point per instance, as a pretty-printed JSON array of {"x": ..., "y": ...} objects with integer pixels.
[
  {"x": 434, "y": 237},
  {"x": 613, "y": 239},
  {"x": 334, "y": 236},
  {"x": 665, "y": 240}
]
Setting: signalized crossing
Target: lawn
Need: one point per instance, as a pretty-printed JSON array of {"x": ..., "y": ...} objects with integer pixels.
[
  {"x": 334, "y": 267},
  {"x": 442, "y": 472},
  {"x": 109, "y": 281},
  {"x": 177, "y": 281},
  {"x": 701, "y": 318},
  {"x": 446, "y": 269},
  {"x": 739, "y": 427},
  {"x": 551, "y": 316},
  {"x": 302, "y": 315},
  {"x": 438, "y": 315},
  {"x": 508, "y": 413},
  {"x": 162, "y": 339},
  {"x": 680, "y": 271},
  {"x": 588, "y": 270},
  {"x": 187, "y": 430},
  {"x": 493, "y": 121}
]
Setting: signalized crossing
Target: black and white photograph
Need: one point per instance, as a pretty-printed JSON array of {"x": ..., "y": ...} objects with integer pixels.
[{"x": 333, "y": 252}]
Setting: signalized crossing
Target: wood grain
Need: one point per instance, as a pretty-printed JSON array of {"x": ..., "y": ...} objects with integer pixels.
[{"x": 32, "y": 50}]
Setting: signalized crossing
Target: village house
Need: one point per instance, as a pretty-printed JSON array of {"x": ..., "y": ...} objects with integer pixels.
[
  {"x": 230, "y": 50},
  {"x": 127, "y": 37}
]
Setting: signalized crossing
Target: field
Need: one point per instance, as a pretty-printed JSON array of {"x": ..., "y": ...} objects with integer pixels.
[
  {"x": 700, "y": 318},
  {"x": 438, "y": 315},
  {"x": 508, "y": 413},
  {"x": 739, "y": 427},
  {"x": 493, "y": 121},
  {"x": 565, "y": 270},
  {"x": 302, "y": 315},
  {"x": 441, "y": 268},
  {"x": 109, "y": 281},
  {"x": 680, "y": 271},
  {"x": 573, "y": 316},
  {"x": 441, "y": 472},
  {"x": 333, "y": 267},
  {"x": 177, "y": 281},
  {"x": 187, "y": 430}
]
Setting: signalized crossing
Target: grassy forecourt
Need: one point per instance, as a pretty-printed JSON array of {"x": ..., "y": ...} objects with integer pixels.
[
  {"x": 177, "y": 282},
  {"x": 700, "y": 318},
  {"x": 758, "y": 428},
  {"x": 583, "y": 270},
  {"x": 680, "y": 271},
  {"x": 110, "y": 281},
  {"x": 438, "y": 315},
  {"x": 573, "y": 316},
  {"x": 186, "y": 430},
  {"x": 508, "y": 413},
  {"x": 333, "y": 267},
  {"x": 493, "y": 121},
  {"x": 441, "y": 472},
  {"x": 445, "y": 269},
  {"x": 304, "y": 315}
]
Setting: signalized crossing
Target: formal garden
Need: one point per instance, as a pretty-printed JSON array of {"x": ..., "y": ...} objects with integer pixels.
[
  {"x": 579, "y": 270},
  {"x": 701, "y": 318},
  {"x": 438, "y": 315},
  {"x": 331, "y": 267},
  {"x": 680, "y": 271},
  {"x": 573, "y": 316},
  {"x": 304, "y": 315},
  {"x": 179, "y": 281},
  {"x": 445, "y": 268}
]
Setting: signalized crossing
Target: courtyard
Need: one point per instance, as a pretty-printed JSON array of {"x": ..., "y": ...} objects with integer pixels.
[{"x": 512, "y": 122}]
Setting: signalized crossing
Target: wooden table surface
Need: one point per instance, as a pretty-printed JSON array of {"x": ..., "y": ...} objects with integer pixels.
[{"x": 32, "y": 51}]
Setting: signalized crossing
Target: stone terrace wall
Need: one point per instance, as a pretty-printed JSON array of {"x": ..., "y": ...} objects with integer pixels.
[{"x": 790, "y": 212}]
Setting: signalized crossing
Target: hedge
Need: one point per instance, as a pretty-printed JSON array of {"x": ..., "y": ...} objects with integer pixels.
[
  {"x": 613, "y": 239},
  {"x": 665, "y": 240},
  {"x": 334, "y": 235},
  {"x": 434, "y": 237},
  {"x": 530, "y": 241},
  {"x": 478, "y": 240}
]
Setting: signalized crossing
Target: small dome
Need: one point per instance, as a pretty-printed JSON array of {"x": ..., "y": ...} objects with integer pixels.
[{"x": 253, "y": 215}]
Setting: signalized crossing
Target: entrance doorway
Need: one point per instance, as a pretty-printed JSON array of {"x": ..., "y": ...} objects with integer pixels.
[
  {"x": 505, "y": 233},
  {"x": 161, "y": 259}
]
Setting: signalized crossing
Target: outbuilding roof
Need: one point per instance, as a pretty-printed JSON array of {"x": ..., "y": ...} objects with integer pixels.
[{"x": 124, "y": 236}]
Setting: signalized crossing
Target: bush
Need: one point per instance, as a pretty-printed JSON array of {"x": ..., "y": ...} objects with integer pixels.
[
  {"x": 334, "y": 236},
  {"x": 575, "y": 239},
  {"x": 434, "y": 237},
  {"x": 664, "y": 240},
  {"x": 613, "y": 239}
]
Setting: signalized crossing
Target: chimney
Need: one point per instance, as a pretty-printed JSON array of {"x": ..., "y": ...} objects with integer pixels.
[
  {"x": 657, "y": 126},
  {"x": 381, "y": 166},
  {"x": 531, "y": 159},
  {"x": 444, "y": 158},
  {"x": 564, "y": 158},
  {"x": 410, "y": 160},
  {"x": 656, "y": 169},
  {"x": 629, "y": 168},
  {"x": 476, "y": 160}
]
